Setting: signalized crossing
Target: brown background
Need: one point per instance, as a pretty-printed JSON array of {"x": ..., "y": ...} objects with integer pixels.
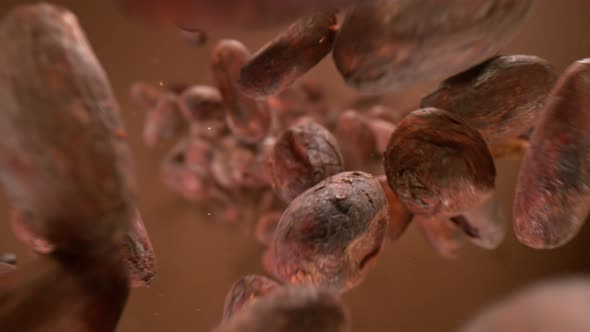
[{"x": 411, "y": 289}]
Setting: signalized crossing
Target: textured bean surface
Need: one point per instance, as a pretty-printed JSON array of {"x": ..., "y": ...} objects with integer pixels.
[
  {"x": 389, "y": 45},
  {"x": 248, "y": 119},
  {"x": 246, "y": 291},
  {"x": 330, "y": 234},
  {"x": 303, "y": 155},
  {"x": 291, "y": 309},
  {"x": 437, "y": 165},
  {"x": 561, "y": 305},
  {"x": 553, "y": 189},
  {"x": 500, "y": 98},
  {"x": 61, "y": 138},
  {"x": 289, "y": 56}
]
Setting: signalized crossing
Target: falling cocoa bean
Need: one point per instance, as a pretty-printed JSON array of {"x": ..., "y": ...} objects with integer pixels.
[
  {"x": 388, "y": 45},
  {"x": 514, "y": 88},
  {"x": 289, "y": 56},
  {"x": 303, "y": 155},
  {"x": 438, "y": 165},
  {"x": 330, "y": 235},
  {"x": 553, "y": 189},
  {"x": 63, "y": 153}
]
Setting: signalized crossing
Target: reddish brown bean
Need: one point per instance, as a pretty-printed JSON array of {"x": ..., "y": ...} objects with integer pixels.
[
  {"x": 248, "y": 119},
  {"x": 442, "y": 234},
  {"x": 289, "y": 56},
  {"x": 304, "y": 155},
  {"x": 291, "y": 309},
  {"x": 245, "y": 292},
  {"x": 484, "y": 225},
  {"x": 514, "y": 88},
  {"x": 553, "y": 190},
  {"x": 399, "y": 216},
  {"x": 266, "y": 226},
  {"x": 61, "y": 137},
  {"x": 191, "y": 14},
  {"x": 356, "y": 138},
  {"x": 387, "y": 45},
  {"x": 437, "y": 165},
  {"x": 331, "y": 234},
  {"x": 164, "y": 122},
  {"x": 65, "y": 295},
  {"x": 561, "y": 305}
]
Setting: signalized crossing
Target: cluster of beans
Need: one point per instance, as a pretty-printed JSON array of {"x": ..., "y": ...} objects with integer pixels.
[{"x": 333, "y": 184}]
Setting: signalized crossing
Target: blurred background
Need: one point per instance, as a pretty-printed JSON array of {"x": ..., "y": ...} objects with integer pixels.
[{"x": 411, "y": 289}]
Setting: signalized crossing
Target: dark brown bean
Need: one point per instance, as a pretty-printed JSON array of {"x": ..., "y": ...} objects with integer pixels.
[
  {"x": 245, "y": 292},
  {"x": 194, "y": 14},
  {"x": 291, "y": 309},
  {"x": 399, "y": 216},
  {"x": 513, "y": 89},
  {"x": 356, "y": 139},
  {"x": 304, "y": 155},
  {"x": 62, "y": 139},
  {"x": 248, "y": 119},
  {"x": 553, "y": 190},
  {"x": 146, "y": 95},
  {"x": 442, "y": 234},
  {"x": 331, "y": 234},
  {"x": 164, "y": 122},
  {"x": 484, "y": 225},
  {"x": 512, "y": 149},
  {"x": 289, "y": 56},
  {"x": 65, "y": 295},
  {"x": 561, "y": 305},
  {"x": 437, "y": 165},
  {"x": 266, "y": 226},
  {"x": 387, "y": 45},
  {"x": 137, "y": 248}
]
